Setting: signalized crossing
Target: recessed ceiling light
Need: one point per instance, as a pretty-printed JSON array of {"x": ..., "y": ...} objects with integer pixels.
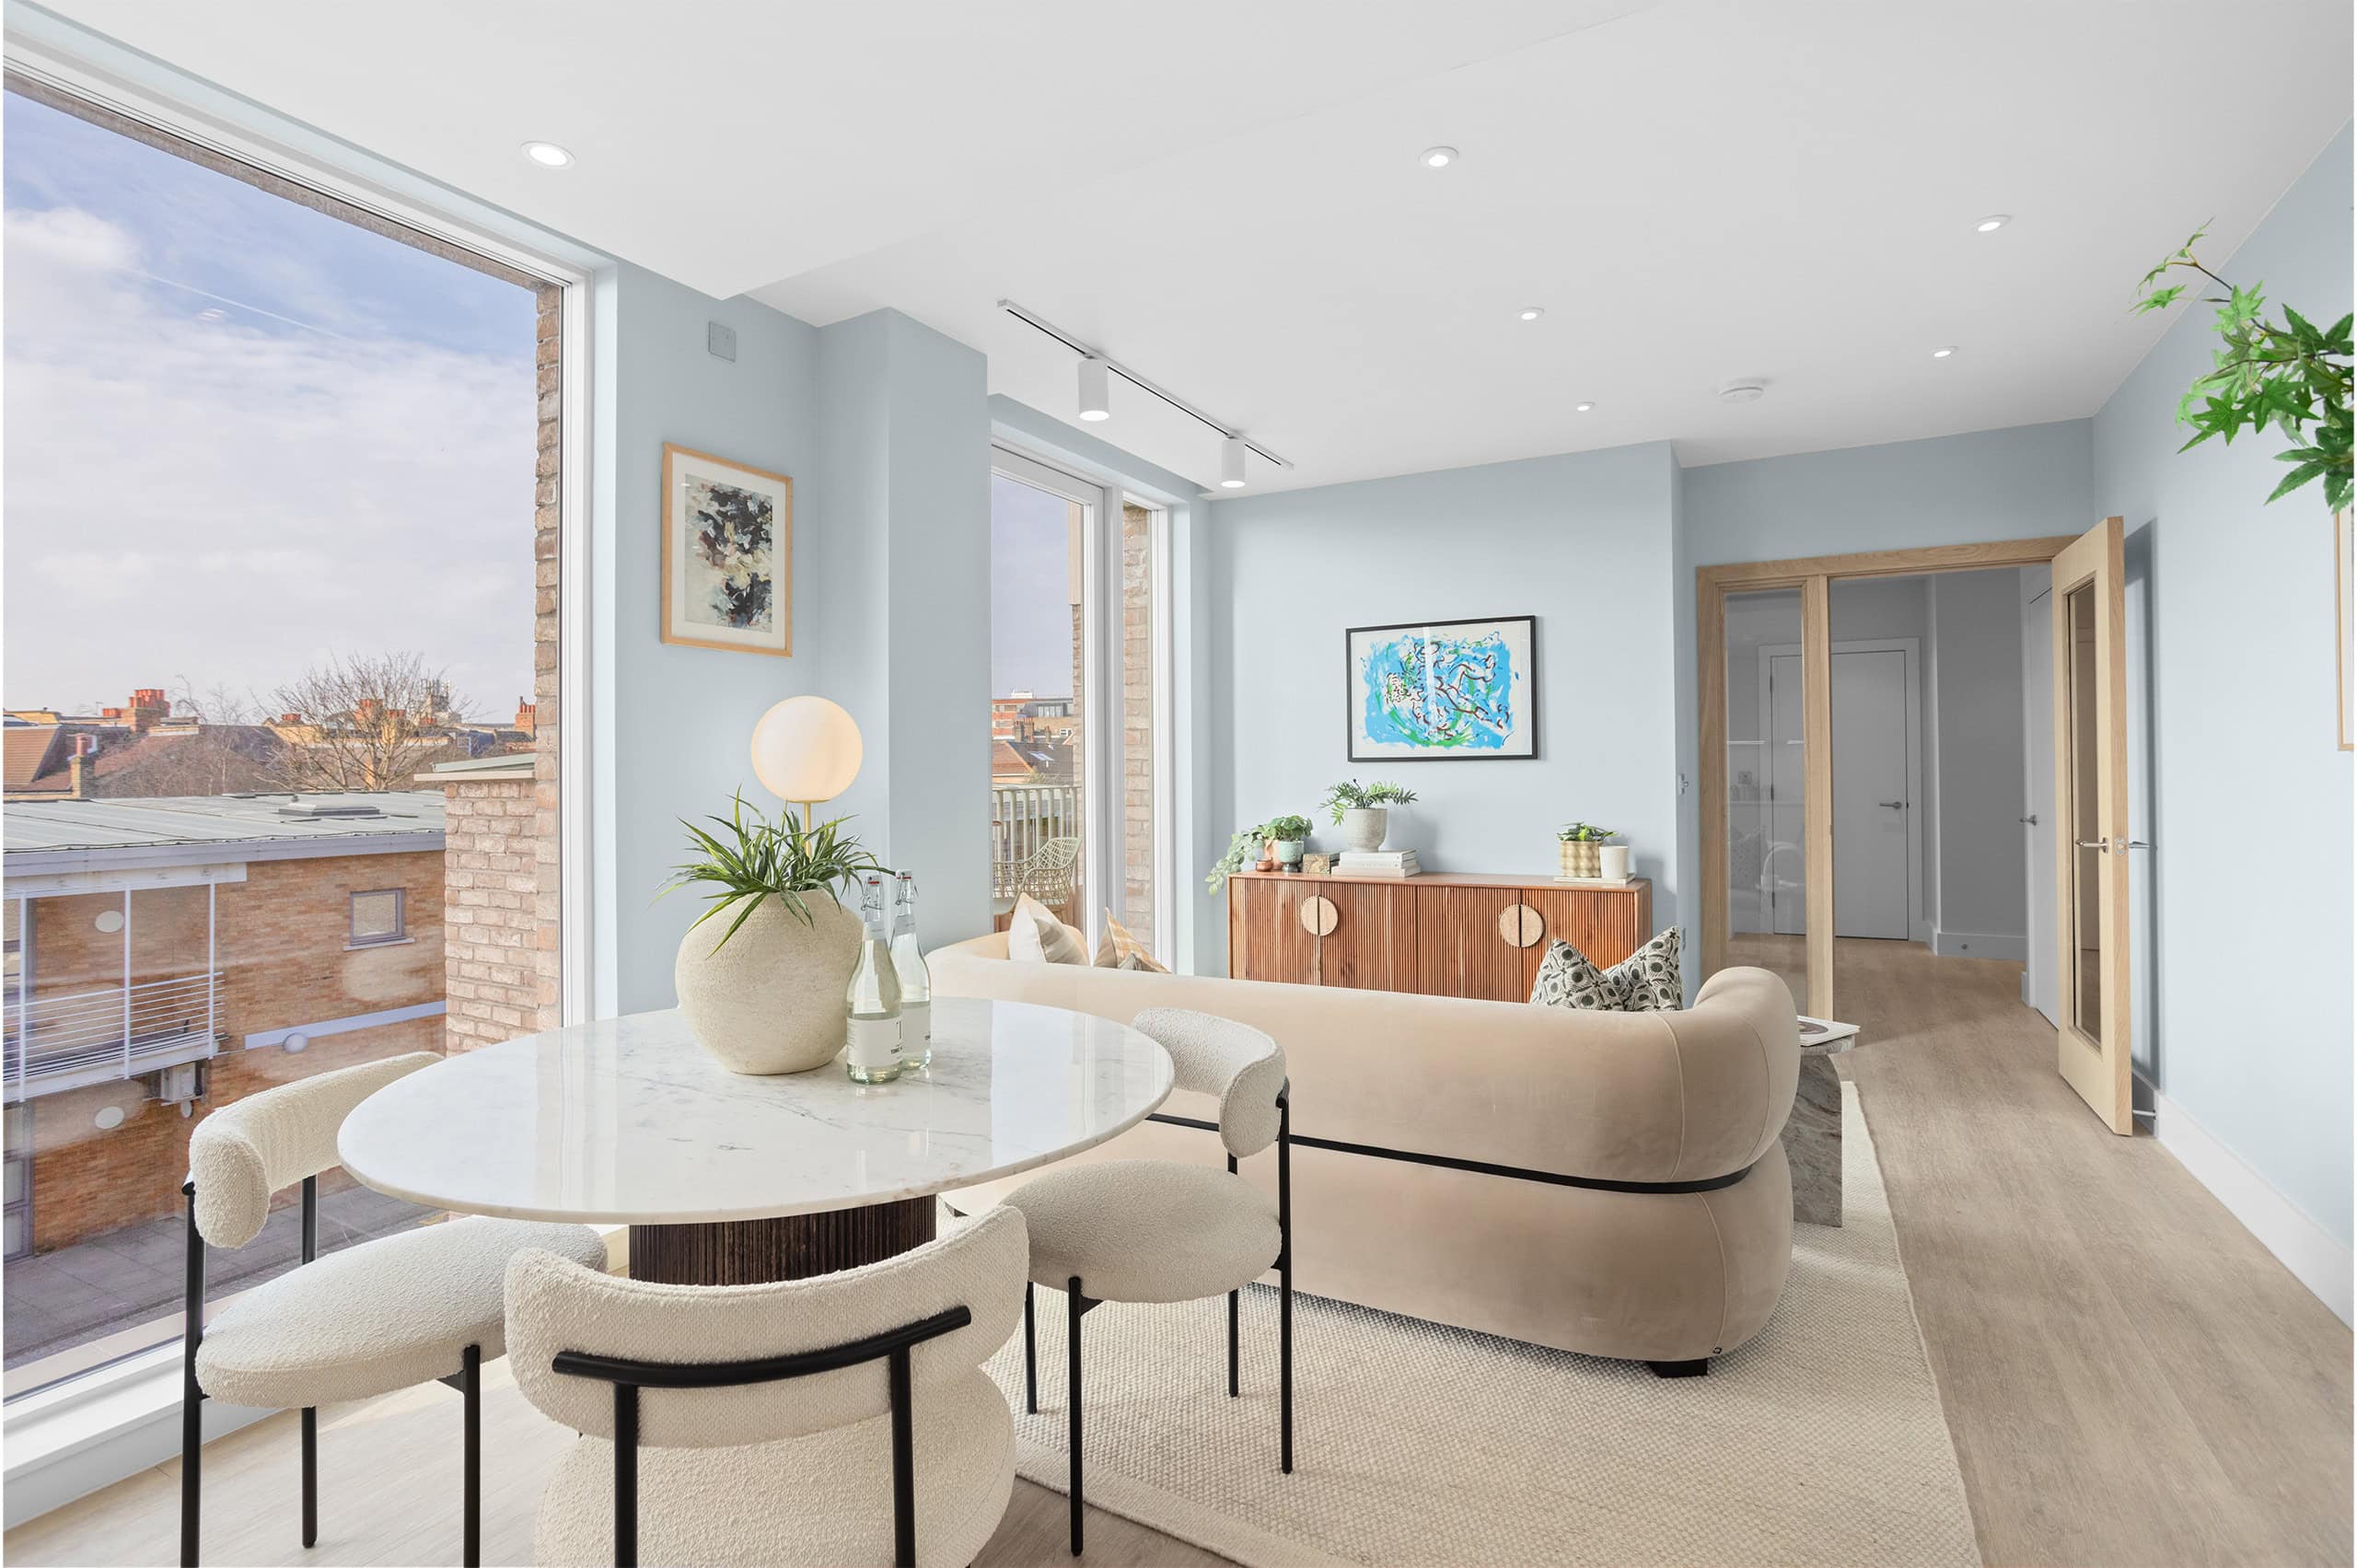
[
  {"x": 1943, "y": 351},
  {"x": 548, "y": 154},
  {"x": 1583, "y": 408},
  {"x": 1743, "y": 389},
  {"x": 1992, "y": 223},
  {"x": 211, "y": 313},
  {"x": 1438, "y": 158},
  {"x": 1532, "y": 312}
]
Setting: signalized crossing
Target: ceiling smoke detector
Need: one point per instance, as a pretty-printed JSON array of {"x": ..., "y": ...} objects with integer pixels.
[{"x": 1743, "y": 389}]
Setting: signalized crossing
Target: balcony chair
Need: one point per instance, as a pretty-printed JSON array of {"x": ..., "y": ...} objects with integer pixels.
[
  {"x": 425, "y": 1306},
  {"x": 1050, "y": 873},
  {"x": 709, "y": 1461},
  {"x": 1165, "y": 1230}
]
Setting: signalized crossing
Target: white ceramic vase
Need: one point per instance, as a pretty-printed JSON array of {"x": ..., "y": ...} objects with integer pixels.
[
  {"x": 1612, "y": 861},
  {"x": 771, "y": 999},
  {"x": 1363, "y": 827}
]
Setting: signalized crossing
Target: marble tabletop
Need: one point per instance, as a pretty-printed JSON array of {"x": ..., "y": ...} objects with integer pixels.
[{"x": 626, "y": 1120}]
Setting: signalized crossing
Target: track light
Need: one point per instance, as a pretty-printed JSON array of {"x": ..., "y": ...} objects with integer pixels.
[
  {"x": 1094, "y": 386},
  {"x": 1231, "y": 463}
]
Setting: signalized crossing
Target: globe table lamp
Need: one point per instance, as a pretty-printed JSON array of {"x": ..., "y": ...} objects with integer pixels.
[{"x": 806, "y": 750}]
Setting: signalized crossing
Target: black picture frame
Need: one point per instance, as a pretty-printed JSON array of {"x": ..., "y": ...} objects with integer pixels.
[{"x": 1353, "y": 741}]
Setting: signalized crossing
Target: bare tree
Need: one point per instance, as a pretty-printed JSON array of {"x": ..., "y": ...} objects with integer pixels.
[
  {"x": 366, "y": 722},
  {"x": 215, "y": 704}
]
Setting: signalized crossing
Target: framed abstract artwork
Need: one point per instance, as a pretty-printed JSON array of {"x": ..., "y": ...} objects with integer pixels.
[
  {"x": 1434, "y": 691},
  {"x": 727, "y": 554}
]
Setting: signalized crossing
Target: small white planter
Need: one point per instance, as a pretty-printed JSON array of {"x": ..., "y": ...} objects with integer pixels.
[
  {"x": 1613, "y": 862},
  {"x": 771, "y": 1000},
  {"x": 1363, "y": 827}
]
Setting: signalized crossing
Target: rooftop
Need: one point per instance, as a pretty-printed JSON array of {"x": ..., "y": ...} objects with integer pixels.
[{"x": 44, "y": 826}]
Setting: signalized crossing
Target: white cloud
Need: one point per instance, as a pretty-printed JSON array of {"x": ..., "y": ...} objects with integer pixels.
[{"x": 227, "y": 499}]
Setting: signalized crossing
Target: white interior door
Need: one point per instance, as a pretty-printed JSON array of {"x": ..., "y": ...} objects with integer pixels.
[
  {"x": 2041, "y": 987},
  {"x": 1874, "y": 801}
]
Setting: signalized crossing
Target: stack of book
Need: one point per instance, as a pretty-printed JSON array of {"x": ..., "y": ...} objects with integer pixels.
[{"x": 1377, "y": 863}]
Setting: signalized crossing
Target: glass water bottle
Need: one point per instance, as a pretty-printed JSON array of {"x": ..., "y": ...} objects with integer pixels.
[
  {"x": 916, "y": 981},
  {"x": 872, "y": 1002}
]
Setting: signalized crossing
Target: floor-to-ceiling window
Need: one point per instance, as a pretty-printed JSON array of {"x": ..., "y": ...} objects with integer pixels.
[
  {"x": 1079, "y": 678},
  {"x": 281, "y": 506}
]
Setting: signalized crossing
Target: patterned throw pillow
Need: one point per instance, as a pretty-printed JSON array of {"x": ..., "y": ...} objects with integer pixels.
[
  {"x": 1034, "y": 936},
  {"x": 1645, "y": 982},
  {"x": 1118, "y": 949}
]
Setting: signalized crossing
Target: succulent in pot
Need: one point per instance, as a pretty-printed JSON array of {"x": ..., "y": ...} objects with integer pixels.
[
  {"x": 1581, "y": 845},
  {"x": 1362, "y": 811},
  {"x": 764, "y": 991}
]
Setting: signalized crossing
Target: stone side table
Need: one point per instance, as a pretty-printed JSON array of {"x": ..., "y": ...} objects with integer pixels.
[{"x": 1813, "y": 1132}]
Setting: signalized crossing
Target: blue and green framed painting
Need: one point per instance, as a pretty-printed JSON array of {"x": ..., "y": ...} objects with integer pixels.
[{"x": 1434, "y": 691}]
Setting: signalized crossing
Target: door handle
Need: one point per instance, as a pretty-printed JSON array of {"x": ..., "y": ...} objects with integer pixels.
[
  {"x": 2031, "y": 819},
  {"x": 1894, "y": 805},
  {"x": 2102, "y": 844}
]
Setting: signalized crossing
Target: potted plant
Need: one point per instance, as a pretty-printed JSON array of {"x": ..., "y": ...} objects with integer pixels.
[
  {"x": 1581, "y": 843},
  {"x": 1247, "y": 845},
  {"x": 766, "y": 994},
  {"x": 1360, "y": 811},
  {"x": 1288, "y": 836}
]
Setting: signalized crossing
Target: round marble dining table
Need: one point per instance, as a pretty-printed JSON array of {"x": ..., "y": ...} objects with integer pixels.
[{"x": 729, "y": 1178}]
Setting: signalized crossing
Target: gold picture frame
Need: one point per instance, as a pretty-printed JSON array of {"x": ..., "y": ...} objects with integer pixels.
[{"x": 728, "y": 543}]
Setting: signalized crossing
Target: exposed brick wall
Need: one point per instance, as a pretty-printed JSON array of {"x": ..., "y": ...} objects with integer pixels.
[
  {"x": 280, "y": 943},
  {"x": 498, "y": 932},
  {"x": 539, "y": 996},
  {"x": 1137, "y": 721}
]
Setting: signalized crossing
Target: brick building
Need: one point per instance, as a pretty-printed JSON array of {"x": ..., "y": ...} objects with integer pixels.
[{"x": 169, "y": 957}]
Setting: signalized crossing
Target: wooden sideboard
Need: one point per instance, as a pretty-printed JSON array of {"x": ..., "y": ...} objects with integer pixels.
[{"x": 1442, "y": 935}]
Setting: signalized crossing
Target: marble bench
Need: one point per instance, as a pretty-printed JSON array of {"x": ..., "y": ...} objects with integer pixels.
[{"x": 1813, "y": 1132}]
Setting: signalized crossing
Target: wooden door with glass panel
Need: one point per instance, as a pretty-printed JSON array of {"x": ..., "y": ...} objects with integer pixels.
[{"x": 2091, "y": 800}]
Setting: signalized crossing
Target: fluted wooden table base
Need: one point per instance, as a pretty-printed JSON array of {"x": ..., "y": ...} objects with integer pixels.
[{"x": 740, "y": 1252}]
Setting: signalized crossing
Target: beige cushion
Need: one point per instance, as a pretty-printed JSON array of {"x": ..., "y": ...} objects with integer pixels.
[
  {"x": 249, "y": 1149},
  {"x": 1119, "y": 948},
  {"x": 823, "y": 1499},
  {"x": 1034, "y": 936},
  {"x": 377, "y": 1317},
  {"x": 555, "y": 1306},
  {"x": 1147, "y": 1230}
]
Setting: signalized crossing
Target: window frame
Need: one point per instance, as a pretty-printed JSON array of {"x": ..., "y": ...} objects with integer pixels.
[
  {"x": 353, "y": 940},
  {"x": 70, "y": 1437}
]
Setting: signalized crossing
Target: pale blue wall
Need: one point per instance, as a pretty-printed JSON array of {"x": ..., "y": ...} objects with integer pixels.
[
  {"x": 1582, "y": 542},
  {"x": 681, "y": 718},
  {"x": 2245, "y": 1001}
]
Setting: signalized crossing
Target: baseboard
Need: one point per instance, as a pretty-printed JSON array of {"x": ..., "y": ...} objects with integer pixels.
[
  {"x": 1979, "y": 945},
  {"x": 2316, "y": 1258}
]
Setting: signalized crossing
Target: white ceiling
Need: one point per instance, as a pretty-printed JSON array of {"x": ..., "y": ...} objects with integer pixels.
[{"x": 1226, "y": 194}]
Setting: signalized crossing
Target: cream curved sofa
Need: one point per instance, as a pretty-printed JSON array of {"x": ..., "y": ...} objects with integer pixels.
[{"x": 1677, "y": 1250}]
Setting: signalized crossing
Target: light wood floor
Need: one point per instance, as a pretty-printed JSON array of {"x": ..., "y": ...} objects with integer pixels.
[{"x": 2128, "y": 1376}]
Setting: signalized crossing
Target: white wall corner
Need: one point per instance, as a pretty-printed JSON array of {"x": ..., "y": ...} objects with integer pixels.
[{"x": 2317, "y": 1258}]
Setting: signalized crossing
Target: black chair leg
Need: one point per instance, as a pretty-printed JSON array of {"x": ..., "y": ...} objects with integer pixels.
[
  {"x": 1680, "y": 1368},
  {"x": 1030, "y": 1356},
  {"x": 310, "y": 1476},
  {"x": 1233, "y": 1356},
  {"x": 1284, "y": 1361},
  {"x": 470, "y": 1386},
  {"x": 192, "y": 1448},
  {"x": 1072, "y": 1308},
  {"x": 192, "y": 1394}
]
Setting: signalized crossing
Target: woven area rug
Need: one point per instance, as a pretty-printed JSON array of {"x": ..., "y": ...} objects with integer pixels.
[{"x": 1820, "y": 1442}]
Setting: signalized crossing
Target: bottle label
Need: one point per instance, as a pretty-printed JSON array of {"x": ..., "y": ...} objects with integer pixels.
[
  {"x": 873, "y": 1042},
  {"x": 916, "y": 1023}
]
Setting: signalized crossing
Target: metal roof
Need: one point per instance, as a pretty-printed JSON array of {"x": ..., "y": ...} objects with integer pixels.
[{"x": 297, "y": 823}]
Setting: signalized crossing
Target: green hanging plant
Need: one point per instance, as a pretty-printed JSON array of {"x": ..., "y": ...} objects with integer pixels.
[{"x": 2287, "y": 374}]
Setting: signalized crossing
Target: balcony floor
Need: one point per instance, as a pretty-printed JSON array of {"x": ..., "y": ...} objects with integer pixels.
[{"x": 114, "y": 1282}]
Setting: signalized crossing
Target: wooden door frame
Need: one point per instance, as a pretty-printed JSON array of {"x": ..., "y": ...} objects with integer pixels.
[{"x": 1814, "y": 576}]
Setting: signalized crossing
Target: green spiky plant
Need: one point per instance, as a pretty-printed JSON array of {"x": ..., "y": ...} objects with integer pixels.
[
  {"x": 2289, "y": 374},
  {"x": 1353, "y": 796},
  {"x": 1582, "y": 832},
  {"x": 748, "y": 863}
]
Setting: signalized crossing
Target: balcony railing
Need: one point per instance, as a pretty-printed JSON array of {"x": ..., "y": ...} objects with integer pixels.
[
  {"x": 1023, "y": 818},
  {"x": 50, "y": 1044}
]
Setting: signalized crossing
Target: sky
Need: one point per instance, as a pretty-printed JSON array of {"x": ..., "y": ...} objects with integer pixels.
[
  {"x": 242, "y": 437},
  {"x": 1031, "y": 590}
]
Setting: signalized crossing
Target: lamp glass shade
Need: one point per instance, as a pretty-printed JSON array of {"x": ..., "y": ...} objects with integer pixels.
[{"x": 806, "y": 749}]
